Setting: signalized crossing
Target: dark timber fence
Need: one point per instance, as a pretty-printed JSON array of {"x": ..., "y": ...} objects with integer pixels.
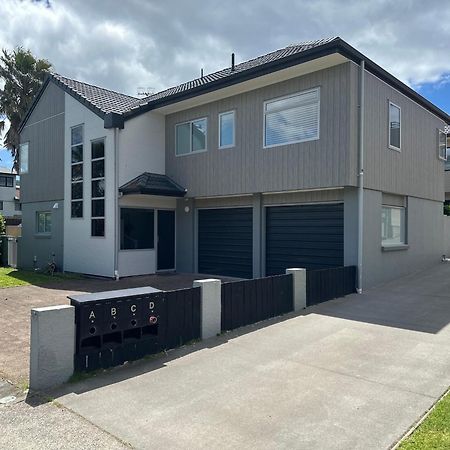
[
  {"x": 250, "y": 301},
  {"x": 326, "y": 284}
]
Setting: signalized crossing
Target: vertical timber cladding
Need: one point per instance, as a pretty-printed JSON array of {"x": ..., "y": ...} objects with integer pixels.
[
  {"x": 225, "y": 242},
  {"x": 304, "y": 236}
]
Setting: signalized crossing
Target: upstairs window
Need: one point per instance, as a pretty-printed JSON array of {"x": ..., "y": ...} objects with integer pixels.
[
  {"x": 447, "y": 154},
  {"x": 6, "y": 181},
  {"x": 23, "y": 158},
  {"x": 98, "y": 188},
  {"x": 76, "y": 150},
  {"x": 442, "y": 145},
  {"x": 226, "y": 129},
  {"x": 394, "y": 126},
  {"x": 191, "y": 137},
  {"x": 292, "y": 119}
]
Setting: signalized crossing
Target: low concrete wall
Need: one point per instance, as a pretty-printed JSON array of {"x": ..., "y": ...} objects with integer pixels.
[{"x": 52, "y": 346}]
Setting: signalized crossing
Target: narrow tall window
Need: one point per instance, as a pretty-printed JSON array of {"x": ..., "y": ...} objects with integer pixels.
[
  {"x": 76, "y": 140},
  {"x": 442, "y": 146},
  {"x": 226, "y": 129},
  {"x": 43, "y": 222},
  {"x": 98, "y": 188},
  {"x": 394, "y": 126},
  {"x": 23, "y": 158},
  {"x": 447, "y": 154},
  {"x": 292, "y": 119}
]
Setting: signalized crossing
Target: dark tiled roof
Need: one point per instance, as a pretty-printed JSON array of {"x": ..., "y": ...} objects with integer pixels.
[
  {"x": 290, "y": 50},
  {"x": 104, "y": 100},
  {"x": 153, "y": 184}
]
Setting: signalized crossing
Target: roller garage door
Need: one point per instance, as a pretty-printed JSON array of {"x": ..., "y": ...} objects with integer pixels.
[
  {"x": 225, "y": 242},
  {"x": 309, "y": 236}
]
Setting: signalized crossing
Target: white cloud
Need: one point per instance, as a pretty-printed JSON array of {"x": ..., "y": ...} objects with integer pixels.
[{"x": 123, "y": 45}]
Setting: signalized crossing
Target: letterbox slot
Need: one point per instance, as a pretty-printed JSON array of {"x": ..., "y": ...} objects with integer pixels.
[
  {"x": 132, "y": 334},
  {"x": 150, "y": 330},
  {"x": 91, "y": 342},
  {"x": 112, "y": 338}
]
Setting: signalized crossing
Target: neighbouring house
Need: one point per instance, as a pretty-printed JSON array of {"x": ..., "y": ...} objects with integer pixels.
[
  {"x": 10, "y": 207},
  {"x": 310, "y": 156}
]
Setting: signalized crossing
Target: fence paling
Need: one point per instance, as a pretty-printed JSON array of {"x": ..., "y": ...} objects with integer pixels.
[
  {"x": 250, "y": 301},
  {"x": 326, "y": 284}
]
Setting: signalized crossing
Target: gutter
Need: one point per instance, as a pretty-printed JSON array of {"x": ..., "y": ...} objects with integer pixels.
[{"x": 359, "y": 283}]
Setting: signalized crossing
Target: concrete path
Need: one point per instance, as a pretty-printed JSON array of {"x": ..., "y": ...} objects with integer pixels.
[
  {"x": 351, "y": 373},
  {"x": 37, "y": 423}
]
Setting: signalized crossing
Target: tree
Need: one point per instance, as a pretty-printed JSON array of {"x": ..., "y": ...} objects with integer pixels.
[
  {"x": 2, "y": 224},
  {"x": 22, "y": 75}
]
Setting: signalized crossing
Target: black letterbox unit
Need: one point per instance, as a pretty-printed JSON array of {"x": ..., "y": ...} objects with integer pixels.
[{"x": 111, "y": 326}]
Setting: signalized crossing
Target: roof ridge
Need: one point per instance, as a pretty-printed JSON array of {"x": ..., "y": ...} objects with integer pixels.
[
  {"x": 237, "y": 66},
  {"x": 59, "y": 76}
]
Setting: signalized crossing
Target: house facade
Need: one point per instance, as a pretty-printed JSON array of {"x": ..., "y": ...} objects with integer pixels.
[
  {"x": 311, "y": 156},
  {"x": 10, "y": 202}
]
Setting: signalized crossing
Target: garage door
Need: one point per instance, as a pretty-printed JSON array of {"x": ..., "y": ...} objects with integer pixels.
[
  {"x": 309, "y": 236},
  {"x": 225, "y": 242}
]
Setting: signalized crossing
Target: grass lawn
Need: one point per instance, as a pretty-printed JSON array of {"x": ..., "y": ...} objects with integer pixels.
[
  {"x": 434, "y": 432},
  {"x": 10, "y": 277}
]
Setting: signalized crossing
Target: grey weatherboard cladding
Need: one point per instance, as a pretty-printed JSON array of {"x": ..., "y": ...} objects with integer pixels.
[
  {"x": 306, "y": 236},
  {"x": 225, "y": 242}
]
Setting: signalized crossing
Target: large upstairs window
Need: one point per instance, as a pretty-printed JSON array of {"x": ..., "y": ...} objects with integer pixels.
[
  {"x": 190, "y": 137},
  {"x": 76, "y": 141},
  {"x": 291, "y": 119}
]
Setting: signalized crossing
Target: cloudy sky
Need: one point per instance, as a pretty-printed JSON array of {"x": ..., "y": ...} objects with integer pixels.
[{"x": 124, "y": 45}]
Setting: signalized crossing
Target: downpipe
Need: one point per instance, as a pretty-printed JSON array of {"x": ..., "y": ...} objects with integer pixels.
[
  {"x": 116, "y": 204},
  {"x": 359, "y": 288}
]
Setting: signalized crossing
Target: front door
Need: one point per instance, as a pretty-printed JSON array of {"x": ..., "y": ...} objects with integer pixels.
[{"x": 166, "y": 240}]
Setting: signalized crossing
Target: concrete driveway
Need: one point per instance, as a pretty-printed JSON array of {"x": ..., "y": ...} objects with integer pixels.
[
  {"x": 16, "y": 303},
  {"x": 352, "y": 373}
]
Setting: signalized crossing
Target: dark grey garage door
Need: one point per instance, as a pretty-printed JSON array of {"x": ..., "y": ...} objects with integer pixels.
[
  {"x": 225, "y": 242},
  {"x": 309, "y": 236}
]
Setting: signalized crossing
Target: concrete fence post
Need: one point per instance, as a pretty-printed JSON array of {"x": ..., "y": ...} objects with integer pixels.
[
  {"x": 210, "y": 307},
  {"x": 299, "y": 277},
  {"x": 52, "y": 346}
]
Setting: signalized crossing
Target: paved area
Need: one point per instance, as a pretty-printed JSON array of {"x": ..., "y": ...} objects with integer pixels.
[
  {"x": 39, "y": 423},
  {"x": 351, "y": 373},
  {"x": 16, "y": 303}
]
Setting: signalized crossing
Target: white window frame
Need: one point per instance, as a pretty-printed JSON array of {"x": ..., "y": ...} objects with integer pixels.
[
  {"x": 404, "y": 217},
  {"x": 21, "y": 147},
  {"x": 78, "y": 200},
  {"x": 225, "y": 113},
  {"x": 272, "y": 100},
  {"x": 393, "y": 147},
  {"x": 190, "y": 122},
  {"x": 442, "y": 133},
  {"x": 99, "y": 179},
  {"x": 46, "y": 213}
]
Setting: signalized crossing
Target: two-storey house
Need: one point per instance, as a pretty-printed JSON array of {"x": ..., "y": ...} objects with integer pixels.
[
  {"x": 310, "y": 156},
  {"x": 10, "y": 202}
]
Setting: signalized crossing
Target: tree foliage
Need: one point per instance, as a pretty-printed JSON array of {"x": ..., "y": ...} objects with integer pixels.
[
  {"x": 2, "y": 224},
  {"x": 22, "y": 75}
]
